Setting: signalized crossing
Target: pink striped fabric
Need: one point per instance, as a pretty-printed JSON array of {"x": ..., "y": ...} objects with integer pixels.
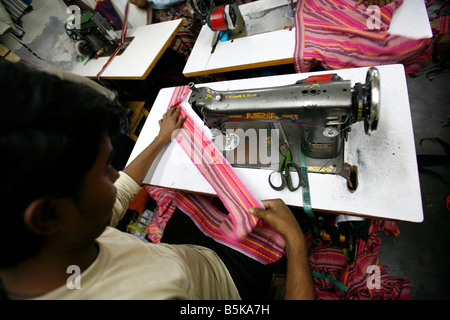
[
  {"x": 444, "y": 25},
  {"x": 336, "y": 34},
  {"x": 163, "y": 211},
  {"x": 262, "y": 244},
  {"x": 329, "y": 259},
  {"x": 237, "y": 228}
]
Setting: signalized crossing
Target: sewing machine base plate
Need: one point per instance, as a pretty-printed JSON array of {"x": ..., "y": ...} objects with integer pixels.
[
  {"x": 256, "y": 147},
  {"x": 268, "y": 20}
]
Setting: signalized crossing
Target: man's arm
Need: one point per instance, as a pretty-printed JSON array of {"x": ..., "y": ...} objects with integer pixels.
[
  {"x": 139, "y": 167},
  {"x": 299, "y": 285},
  {"x": 128, "y": 187}
]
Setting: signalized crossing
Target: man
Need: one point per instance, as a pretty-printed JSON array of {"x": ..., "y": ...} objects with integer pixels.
[{"x": 60, "y": 196}]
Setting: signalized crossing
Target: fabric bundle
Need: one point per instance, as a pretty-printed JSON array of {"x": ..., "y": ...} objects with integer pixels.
[
  {"x": 338, "y": 34},
  {"x": 358, "y": 276}
]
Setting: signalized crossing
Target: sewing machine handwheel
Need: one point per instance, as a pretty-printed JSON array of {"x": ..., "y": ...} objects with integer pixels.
[{"x": 373, "y": 85}]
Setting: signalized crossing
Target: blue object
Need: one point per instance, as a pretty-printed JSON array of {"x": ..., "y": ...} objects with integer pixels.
[{"x": 223, "y": 35}]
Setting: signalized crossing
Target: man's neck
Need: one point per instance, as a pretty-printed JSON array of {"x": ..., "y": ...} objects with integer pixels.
[{"x": 45, "y": 272}]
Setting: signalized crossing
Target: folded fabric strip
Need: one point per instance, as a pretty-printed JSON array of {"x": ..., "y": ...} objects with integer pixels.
[
  {"x": 262, "y": 244},
  {"x": 219, "y": 173},
  {"x": 339, "y": 35},
  {"x": 237, "y": 228}
]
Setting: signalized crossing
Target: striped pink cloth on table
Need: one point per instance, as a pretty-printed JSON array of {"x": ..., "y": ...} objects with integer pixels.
[
  {"x": 237, "y": 229},
  {"x": 336, "y": 34}
]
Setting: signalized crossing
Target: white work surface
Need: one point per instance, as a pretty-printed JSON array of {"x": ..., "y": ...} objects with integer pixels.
[
  {"x": 387, "y": 167},
  {"x": 277, "y": 47},
  {"x": 139, "y": 58}
]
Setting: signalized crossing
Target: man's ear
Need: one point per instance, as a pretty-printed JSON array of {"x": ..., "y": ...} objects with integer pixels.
[{"x": 41, "y": 216}]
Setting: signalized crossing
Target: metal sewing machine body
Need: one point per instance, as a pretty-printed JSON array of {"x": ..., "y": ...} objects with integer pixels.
[
  {"x": 317, "y": 112},
  {"x": 95, "y": 37},
  {"x": 225, "y": 19}
]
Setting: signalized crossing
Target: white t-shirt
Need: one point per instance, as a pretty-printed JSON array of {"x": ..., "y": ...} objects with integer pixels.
[{"x": 128, "y": 268}]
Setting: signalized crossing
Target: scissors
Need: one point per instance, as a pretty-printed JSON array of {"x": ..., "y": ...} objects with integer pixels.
[{"x": 284, "y": 167}]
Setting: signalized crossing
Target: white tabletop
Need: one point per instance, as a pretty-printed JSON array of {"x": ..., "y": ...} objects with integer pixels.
[
  {"x": 148, "y": 44},
  {"x": 387, "y": 167},
  {"x": 277, "y": 47}
]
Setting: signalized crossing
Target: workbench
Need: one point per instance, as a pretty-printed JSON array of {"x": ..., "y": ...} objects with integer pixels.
[
  {"x": 387, "y": 167},
  {"x": 277, "y": 47},
  {"x": 138, "y": 59}
]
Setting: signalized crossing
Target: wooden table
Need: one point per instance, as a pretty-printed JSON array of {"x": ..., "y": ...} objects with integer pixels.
[{"x": 135, "y": 63}]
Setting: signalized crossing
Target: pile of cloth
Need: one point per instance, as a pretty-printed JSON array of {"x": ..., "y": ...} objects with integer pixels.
[
  {"x": 338, "y": 34},
  {"x": 361, "y": 278}
]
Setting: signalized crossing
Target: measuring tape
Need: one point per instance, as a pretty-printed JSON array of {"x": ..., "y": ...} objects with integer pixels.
[
  {"x": 315, "y": 232},
  {"x": 307, "y": 195}
]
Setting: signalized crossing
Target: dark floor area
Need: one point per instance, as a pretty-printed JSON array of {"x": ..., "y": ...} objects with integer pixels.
[{"x": 420, "y": 253}]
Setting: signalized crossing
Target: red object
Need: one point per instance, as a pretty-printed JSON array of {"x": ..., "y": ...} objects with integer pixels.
[
  {"x": 321, "y": 78},
  {"x": 122, "y": 41},
  {"x": 448, "y": 202},
  {"x": 217, "y": 20}
]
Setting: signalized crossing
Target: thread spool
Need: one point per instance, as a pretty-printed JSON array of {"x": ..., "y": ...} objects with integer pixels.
[
  {"x": 222, "y": 18},
  {"x": 327, "y": 237}
]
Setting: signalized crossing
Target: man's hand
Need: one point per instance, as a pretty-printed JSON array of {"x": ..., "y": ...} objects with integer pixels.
[
  {"x": 380, "y": 3},
  {"x": 280, "y": 217},
  {"x": 299, "y": 284},
  {"x": 170, "y": 122},
  {"x": 139, "y": 3}
]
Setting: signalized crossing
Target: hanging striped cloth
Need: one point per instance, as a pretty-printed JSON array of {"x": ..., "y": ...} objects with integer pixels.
[
  {"x": 17, "y": 8},
  {"x": 336, "y": 34},
  {"x": 237, "y": 229}
]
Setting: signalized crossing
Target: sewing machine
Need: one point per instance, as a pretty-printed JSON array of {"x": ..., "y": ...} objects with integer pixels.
[
  {"x": 220, "y": 15},
  {"x": 95, "y": 37},
  {"x": 316, "y": 115},
  {"x": 226, "y": 20}
]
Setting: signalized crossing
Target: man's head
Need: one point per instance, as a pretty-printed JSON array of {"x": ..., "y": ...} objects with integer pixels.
[{"x": 54, "y": 139}]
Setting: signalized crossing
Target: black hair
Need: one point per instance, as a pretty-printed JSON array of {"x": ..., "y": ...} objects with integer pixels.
[{"x": 50, "y": 134}]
